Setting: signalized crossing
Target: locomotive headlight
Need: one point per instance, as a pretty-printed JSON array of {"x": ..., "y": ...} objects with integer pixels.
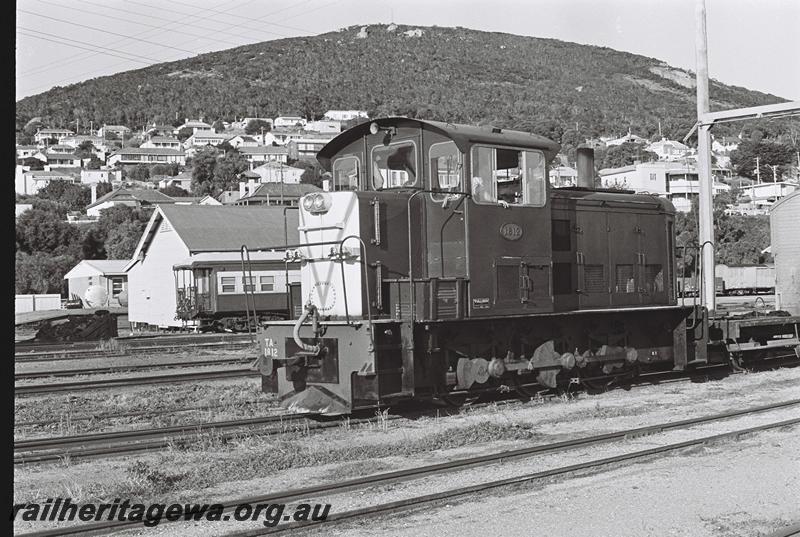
[{"x": 317, "y": 203}]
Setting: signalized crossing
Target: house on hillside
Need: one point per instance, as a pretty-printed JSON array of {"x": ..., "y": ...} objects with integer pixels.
[
  {"x": 258, "y": 155},
  {"x": 26, "y": 151},
  {"x": 561, "y": 176},
  {"x": 168, "y": 142},
  {"x": 182, "y": 180},
  {"x": 42, "y": 136},
  {"x": 288, "y": 121},
  {"x": 160, "y": 130},
  {"x": 117, "y": 130},
  {"x": 31, "y": 182},
  {"x": 106, "y": 273},
  {"x": 92, "y": 177},
  {"x": 176, "y": 234},
  {"x": 99, "y": 144},
  {"x": 146, "y": 155},
  {"x": 139, "y": 198},
  {"x": 628, "y": 138},
  {"x": 345, "y": 115},
  {"x": 324, "y": 126},
  {"x": 308, "y": 145},
  {"x": 208, "y": 199},
  {"x": 669, "y": 150},
  {"x": 202, "y": 138},
  {"x": 671, "y": 180},
  {"x": 194, "y": 124},
  {"x": 59, "y": 160},
  {"x": 275, "y": 172},
  {"x": 253, "y": 193},
  {"x": 243, "y": 140}
]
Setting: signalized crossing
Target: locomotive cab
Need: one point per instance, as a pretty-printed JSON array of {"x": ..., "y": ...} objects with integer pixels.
[{"x": 440, "y": 260}]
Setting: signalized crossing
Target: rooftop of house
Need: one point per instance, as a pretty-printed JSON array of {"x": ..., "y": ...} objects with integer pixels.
[
  {"x": 224, "y": 228},
  {"x": 264, "y": 150},
  {"x": 89, "y": 267},
  {"x": 147, "y": 196},
  {"x": 164, "y": 139},
  {"x": 273, "y": 190},
  {"x": 148, "y": 151}
]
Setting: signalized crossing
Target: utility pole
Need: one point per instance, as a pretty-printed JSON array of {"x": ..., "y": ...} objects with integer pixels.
[
  {"x": 706, "y": 216},
  {"x": 281, "y": 182},
  {"x": 774, "y": 172},
  {"x": 758, "y": 172}
]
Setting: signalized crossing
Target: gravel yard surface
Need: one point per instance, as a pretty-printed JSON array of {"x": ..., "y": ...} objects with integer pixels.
[{"x": 257, "y": 465}]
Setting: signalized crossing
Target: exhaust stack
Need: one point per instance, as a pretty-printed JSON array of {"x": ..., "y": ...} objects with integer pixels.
[{"x": 586, "y": 167}]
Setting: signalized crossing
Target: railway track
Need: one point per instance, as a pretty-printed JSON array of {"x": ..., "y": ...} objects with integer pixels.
[
  {"x": 134, "y": 414},
  {"x": 124, "y": 368},
  {"x": 88, "y": 385},
  {"x": 78, "y": 354},
  {"x": 126, "y": 442},
  {"x": 132, "y": 342},
  {"x": 308, "y": 494}
]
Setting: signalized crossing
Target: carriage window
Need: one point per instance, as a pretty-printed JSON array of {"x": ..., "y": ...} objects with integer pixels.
[
  {"x": 267, "y": 283},
  {"x": 445, "y": 166},
  {"x": 394, "y": 165},
  {"x": 508, "y": 176},
  {"x": 345, "y": 174},
  {"x": 227, "y": 284}
]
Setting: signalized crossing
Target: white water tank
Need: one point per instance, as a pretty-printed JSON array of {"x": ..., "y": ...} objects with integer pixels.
[
  {"x": 96, "y": 296},
  {"x": 784, "y": 222}
]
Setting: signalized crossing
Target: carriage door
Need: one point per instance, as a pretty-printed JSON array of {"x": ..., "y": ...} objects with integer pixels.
[{"x": 508, "y": 224}]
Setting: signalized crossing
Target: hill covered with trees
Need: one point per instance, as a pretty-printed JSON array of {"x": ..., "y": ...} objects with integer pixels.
[{"x": 545, "y": 86}]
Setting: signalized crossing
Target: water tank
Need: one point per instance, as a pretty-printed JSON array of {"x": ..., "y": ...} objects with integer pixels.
[
  {"x": 96, "y": 296},
  {"x": 784, "y": 221},
  {"x": 123, "y": 299}
]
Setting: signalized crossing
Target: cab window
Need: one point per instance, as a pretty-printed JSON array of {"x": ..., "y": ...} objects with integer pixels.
[
  {"x": 345, "y": 174},
  {"x": 508, "y": 176},
  {"x": 445, "y": 166},
  {"x": 394, "y": 165}
]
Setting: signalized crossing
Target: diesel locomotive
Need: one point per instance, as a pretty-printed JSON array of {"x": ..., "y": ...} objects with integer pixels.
[{"x": 440, "y": 262}]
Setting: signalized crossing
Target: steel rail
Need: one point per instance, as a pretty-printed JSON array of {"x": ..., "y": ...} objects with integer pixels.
[
  {"x": 131, "y": 367},
  {"x": 54, "y": 356},
  {"x": 135, "y": 414},
  {"x": 133, "y": 341},
  {"x": 88, "y": 385},
  {"x": 163, "y": 437},
  {"x": 457, "y": 465},
  {"x": 414, "y": 502}
]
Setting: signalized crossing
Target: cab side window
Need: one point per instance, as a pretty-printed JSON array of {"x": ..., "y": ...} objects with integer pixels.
[
  {"x": 345, "y": 174},
  {"x": 508, "y": 176},
  {"x": 445, "y": 166}
]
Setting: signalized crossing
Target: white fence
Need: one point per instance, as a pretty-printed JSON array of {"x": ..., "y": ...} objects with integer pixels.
[{"x": 23, "y": 303}]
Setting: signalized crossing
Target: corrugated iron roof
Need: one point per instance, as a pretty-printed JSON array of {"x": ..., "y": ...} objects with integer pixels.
[
  {"x": 220, "y": 228},
  {"x": 123, "y": 194}
]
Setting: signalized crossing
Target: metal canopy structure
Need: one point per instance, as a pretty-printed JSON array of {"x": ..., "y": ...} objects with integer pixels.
[{"x": 705, "y": 120}]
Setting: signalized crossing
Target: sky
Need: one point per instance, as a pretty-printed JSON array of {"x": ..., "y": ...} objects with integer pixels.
[{"x": 751, "y": 43}]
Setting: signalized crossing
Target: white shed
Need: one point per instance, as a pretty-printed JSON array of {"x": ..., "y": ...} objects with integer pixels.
[
  {"x": 176, "y": 233},
  {"x": 106, "y": 273}
]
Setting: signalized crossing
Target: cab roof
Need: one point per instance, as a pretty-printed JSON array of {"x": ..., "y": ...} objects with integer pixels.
[{"x": 462, "y": 135}]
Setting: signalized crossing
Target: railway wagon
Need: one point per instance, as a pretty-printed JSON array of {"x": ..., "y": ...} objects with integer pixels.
[
  {"x": 745, "y": 279},
  {"x": 217, "y": 292},
  {"x": 442, "y": 263}
]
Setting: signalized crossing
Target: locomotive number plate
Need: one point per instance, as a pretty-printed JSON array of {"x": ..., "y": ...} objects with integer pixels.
[{"x": 511, "y": 231}]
